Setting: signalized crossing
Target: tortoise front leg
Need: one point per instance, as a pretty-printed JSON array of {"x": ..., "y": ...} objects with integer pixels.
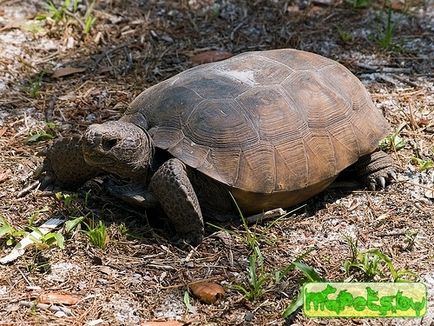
[
  {"x": 64, "y": 165},
  {"x": 376, "y": 169},
  {"x": 171, "y": 185}
]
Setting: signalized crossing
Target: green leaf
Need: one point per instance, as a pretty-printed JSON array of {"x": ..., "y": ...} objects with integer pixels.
[
  {"x": 6, "y": 228},
  {"x": 294, "y": 305},
  {"x": 72, "y": 224},
  {"x": 187, "y": 302},
  {"x": 40, "y": 136},
  {"x": 309, "y": 272},
  {"x": 54, "y": 238}
]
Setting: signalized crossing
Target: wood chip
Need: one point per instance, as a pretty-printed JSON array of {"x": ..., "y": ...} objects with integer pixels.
[
  {"x": 162, "y": 323},
  {"x": 210, "y": 56},
  {"x": 66, "y": 71},
  {"x": 57, "y": 298},
  {"x": 4, "y": 175}
]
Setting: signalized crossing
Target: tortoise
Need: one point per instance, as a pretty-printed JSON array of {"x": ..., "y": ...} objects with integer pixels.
[{"x": 271, "y": 128}]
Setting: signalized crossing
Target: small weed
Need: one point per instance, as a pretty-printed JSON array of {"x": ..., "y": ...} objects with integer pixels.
[
  {"x": 371, "y": 264},
  {"x": 68, "y": 200},
  {"x": 46, "y": 134},
  {"x": 68, "y": 10},
  {"x": 187, "y": 302},
  {"x": 345, "y": 36},
  {"x": 89, "y": 19},
  {"x": 386, "y": 39},
  {"x": 88, "y": 23},
  {"x": 422, "y": 165},
  {"x": 33, "y": 27},
  {"x": 310, "y": 275},
  {"x": 97, "y": 234},
  {"x": 35, "y": 215},
  {"x": 410, "y": 239},
  {"x": 11, "y": 233},
  {"x": 123, "y": 229},
  {"x": 257, "y": 276},
  {"x": 259, "y": 280},
  {"x": 57, "y": 13},
  {"x": 393, "y": 142},
  {"x": 39, "y": 136},
  {"x": 39, "y": 239},
  {"x": 359, "y": 3},
  {"x": 70, "y": 225},
  {"x": 45, "y": 241},
  {"x": 33, "y": 87}
]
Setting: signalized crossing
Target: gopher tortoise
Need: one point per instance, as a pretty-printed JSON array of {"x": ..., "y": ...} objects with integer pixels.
[{"x": 272, "y": 128}]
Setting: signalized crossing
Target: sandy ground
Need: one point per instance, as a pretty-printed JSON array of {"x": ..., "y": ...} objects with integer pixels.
[{"x": 140, "y": 276}]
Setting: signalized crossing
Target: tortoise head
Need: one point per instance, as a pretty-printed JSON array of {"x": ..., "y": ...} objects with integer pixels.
[{"x": 118, "y": 147}]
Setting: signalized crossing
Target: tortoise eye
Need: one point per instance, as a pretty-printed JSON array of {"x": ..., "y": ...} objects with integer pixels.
[{"x": 108, "y": 144}]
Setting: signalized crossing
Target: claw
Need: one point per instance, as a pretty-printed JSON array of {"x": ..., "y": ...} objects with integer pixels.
[
  {"x": 382, "y": 181},
  {"x": 393, "y": 176},
  {"x": 372, "y": 185},
  {"x": 46, "y": 181}
]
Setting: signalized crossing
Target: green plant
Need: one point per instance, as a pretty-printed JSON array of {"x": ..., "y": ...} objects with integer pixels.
[
  {"x": 70, "y": 225},
  {"x": 371, "y": 264},
  {"x": 385, "y": 40},
  {"x": 310, "y": 275},
  {"x": 410, "y": 239},
  {"x": 259, "y": 280},
  {"x": 187, "y": 302},
  {"x": 359, "y": 3},
  {"x": 421, "y": 164},
  {"x": 97, "y": 234},
  {"x": 393, "y": 142},
  {"x": 46, "y": 134},
  {"x": 57, "y": 13},
  {"x": 123, "y": 229},
  {"x": 68, "y": 200},
  {"x": 257, "y": 276},
  {"x": 33, "y": 27},
  {"x": 68, "y": 9},
  {"x": 89, "y": 19},
  {"x": 33, "y": 87},
  {"x": 8, "y": 231},
  {"x": 345, "y": 36},
  {"x": 35, "y": 215},
  {"x": 43, "y": 241}
]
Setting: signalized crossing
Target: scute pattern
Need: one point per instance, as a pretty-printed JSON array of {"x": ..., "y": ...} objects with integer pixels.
[{"x": 263, "y": 122}]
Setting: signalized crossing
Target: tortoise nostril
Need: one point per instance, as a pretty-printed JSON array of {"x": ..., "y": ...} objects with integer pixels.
[{"x": 108, "y": 144}]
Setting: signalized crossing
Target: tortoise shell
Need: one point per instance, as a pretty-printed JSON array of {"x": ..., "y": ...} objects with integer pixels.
[{"x": 263, "y": 122}]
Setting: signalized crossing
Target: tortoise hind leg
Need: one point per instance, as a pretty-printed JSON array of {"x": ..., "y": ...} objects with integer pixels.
[
  {"x": 176, "y": 195},
  {"x": 376, "y": 170}
]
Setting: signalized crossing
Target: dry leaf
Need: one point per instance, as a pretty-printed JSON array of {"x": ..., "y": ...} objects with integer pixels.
[
  {"x": 66, "y": 71},
  {"x": 162, "y": 323},
  {"x": 207, "y": 292},
  {"x": 3, "y": 131},
  {"x": 210, "y": 56},
  {"x": 4, "y": 175},
  {"x": 57, "y": 298}
]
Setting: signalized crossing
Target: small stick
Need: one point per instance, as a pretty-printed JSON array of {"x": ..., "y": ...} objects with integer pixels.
[
  {"x": 265, "y": 216},
  {"x": 27, "y": 189},
  {"x": 44, "y": 306}
]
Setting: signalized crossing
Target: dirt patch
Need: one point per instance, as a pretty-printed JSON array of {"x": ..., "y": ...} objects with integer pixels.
[{"x": 135, "y": 44}]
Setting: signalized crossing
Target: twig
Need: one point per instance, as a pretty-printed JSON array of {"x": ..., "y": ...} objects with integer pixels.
[
  {"x": 24, "y": 277},
  {"x": 44, "y": 306},
  {"x": 27, "y": 189}
]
